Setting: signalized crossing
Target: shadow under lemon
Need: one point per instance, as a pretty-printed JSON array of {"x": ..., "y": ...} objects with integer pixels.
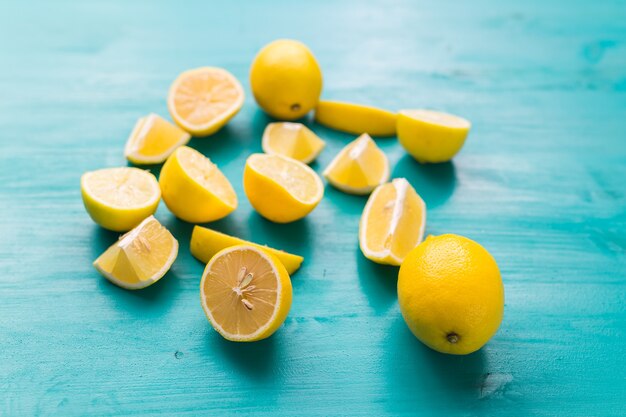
[
  {"x": 378, "y": 282},
  {"x": 294, "y": 237},
  {"x": 350, "y": 204},
  {"x": 435, "y": 183}
]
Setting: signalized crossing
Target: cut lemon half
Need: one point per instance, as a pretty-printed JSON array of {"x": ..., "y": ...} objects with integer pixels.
[
  {"x": 431, "y": 136},
  {"x": 153, "y": 139},
  {"x": 281, "y": 189},
  {"x": 294, "y": 140},
  {"x": 203, "y": 100},
  {"x": 359, "y": 167},
  {"x": 139, "y": 258},
  {"x": 205, "y": 243},
  {"x": 392, "y": 222},
  {"x": 119, "y": 199},
  {"x": 194, "y": 188},
  {"x": 355, "y": 118},
  {"x": 245, "y": 293}
]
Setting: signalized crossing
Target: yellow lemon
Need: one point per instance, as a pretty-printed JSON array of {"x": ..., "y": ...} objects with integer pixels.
[
  {"x": 202, "y": 100},
  {"x": 294, "y": 140},
  {"x": 451, "y": 294},
  {"x": 355, "y": 118},
  {"x": 139, "y": 258},
  {"x": 281, "y": 189},
  {"x": 194, "y": 188},
  {"x": 205, "y": 243},
  {"x": 359, "y": 167},
  {"x": 153, "y": 139},
  {"x": 245, "y": 293},
  {"x": 119, "y": 199},
  {"x": 392, "y": 223},
  {"x": 431, "y": 136},
  {"x": 286, "y": 79}
]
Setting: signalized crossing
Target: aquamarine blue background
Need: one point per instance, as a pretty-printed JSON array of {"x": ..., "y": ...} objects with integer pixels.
[{"x": 541, "y": 183}]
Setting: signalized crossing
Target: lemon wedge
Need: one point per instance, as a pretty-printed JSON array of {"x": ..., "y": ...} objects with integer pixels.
[
  {"x": 153, "y": 139},
  {"x": 392, "y": 223},
  {"x": 119, "y": 199},
  {"x": 245, "y": 293},
  {"x": 202, "y": 100},
  {"x": 359, "y": 167},
  {"x": 205, "y": 243},
  {"x": 139, "y": 258},
  {"x": 355, "y": 118},
  {"x": 281, "y": 189},
  {"x": 294, "y": 140},
  {"x": 194, "y": 188}
]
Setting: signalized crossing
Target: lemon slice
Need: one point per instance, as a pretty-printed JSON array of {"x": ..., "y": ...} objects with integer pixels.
[
  {"x": 139, "y": 258},
  {"x": 294, "y": 140},
  {"x": 359, "y": 167},
  {"x": 355, "y": 118},
  {"x": 281, "y": 189},
  {"x": 205, "y": 243},
  {"x": 194, "y": 188},
  {"x": 203, "y": 100},
  {"x": 153, "y": 139},
  {"x": 431, "y": 136},
  {"x": 119, "y": 199},
  {"x": 392, "y": 223},
  {"x": 245, "y": 293}
]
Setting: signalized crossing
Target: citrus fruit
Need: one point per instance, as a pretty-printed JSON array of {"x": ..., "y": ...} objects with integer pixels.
[
  {"x": 194, "y": 188},
  {"x": 451, "y": 294},
  {"x": 355, "y": 118},
  {"x": 153, "y": 139},
  {"x": 392, "y": 223},
  {"x": 119, "y": 199},
  {"x": 139, "y": 258},
  {"x": 202, "y": 100},
  {"x": 359, "y": 167},
  {"x": 245, "y": 293},
  {"x": 205, "y": 243},
  {"x": 281, "y": 189},
  {"x": 286, "y": 80},
  {"x": 431, "y": 136},
  {"x": 294, "y": 140}
]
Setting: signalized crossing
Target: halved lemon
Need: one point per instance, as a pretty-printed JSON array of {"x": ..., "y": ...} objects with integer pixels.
[
  {"x": 355, "y": 118},
  {"x": 245, "y": 293},
  {"x": 294, "y": 140},
  {"x": 194, "y": 188},
  {"x": 202, "y": 100},
  {"x": 119, "y": 199},
  {"x": 205, "y": 243},
  {"x": 359, "y": 167},
  {"x": 139, "y": 258},
  {"x": 281, "y": 189},
  {"x": 392, "y": 222},
  {"x": 431, "y": 136},
  {"x": 153, "y": 139}
]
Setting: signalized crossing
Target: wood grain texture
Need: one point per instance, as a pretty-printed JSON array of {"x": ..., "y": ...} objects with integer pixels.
[{"x": 541, "y": 183}]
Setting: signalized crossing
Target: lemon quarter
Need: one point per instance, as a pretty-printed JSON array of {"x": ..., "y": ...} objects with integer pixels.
[
  {"x": 355, "y": 118},
  {"x": 153, "y": 139},
  {"x": 294, "y": 140}
]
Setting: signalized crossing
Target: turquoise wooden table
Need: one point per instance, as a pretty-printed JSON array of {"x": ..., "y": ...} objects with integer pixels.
[{"x": 541, "y": 183}]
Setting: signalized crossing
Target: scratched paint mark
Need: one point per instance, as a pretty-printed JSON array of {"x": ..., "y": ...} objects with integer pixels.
[
  {"x": 594, "y": 52},
  {"x": 494, "y": 384}
]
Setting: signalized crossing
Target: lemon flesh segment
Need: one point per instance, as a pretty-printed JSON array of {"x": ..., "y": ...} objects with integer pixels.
[
  {"x": 153, "y": 139},
  {"x": 355, "y": 118},
  {"x": 205, "y": 243},
  {"x": 119, "y": 199},
  {"x": 203, "y": 100},
  {"x": 245, "y": 293},
  {"x": 140, "y": 257},
  {"x": 392, "y": 223},
  {"x": 430, "y": 136},
  {"x": 281, "y": 189},
  {"x": 194, "y": 188},
  {"x": 293, "y": 140},
  {"x": 359, "y": 167}
]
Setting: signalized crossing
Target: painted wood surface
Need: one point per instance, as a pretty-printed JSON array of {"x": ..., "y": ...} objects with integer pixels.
[{"x": 541, "y": 183}]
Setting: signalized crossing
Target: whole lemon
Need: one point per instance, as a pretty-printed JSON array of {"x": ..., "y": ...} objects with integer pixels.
[
  {"x": 286, "y": 79},
  {"x": 451, "y": 294}
]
